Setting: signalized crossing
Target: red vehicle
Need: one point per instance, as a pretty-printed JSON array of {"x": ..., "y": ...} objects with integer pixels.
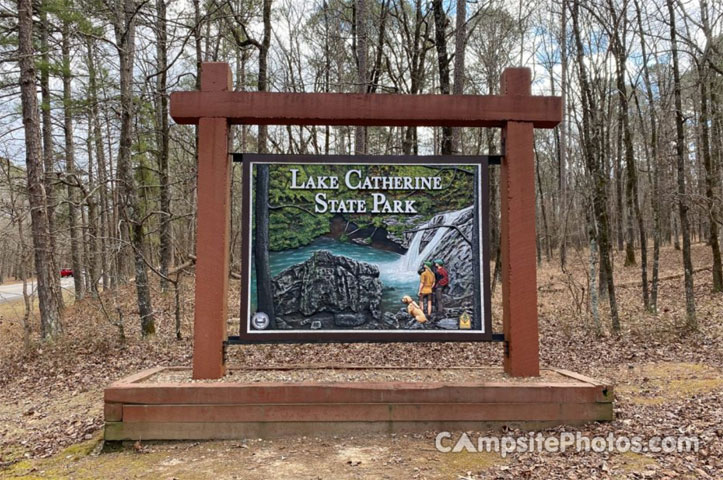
[{"x": 66, "y": 272}]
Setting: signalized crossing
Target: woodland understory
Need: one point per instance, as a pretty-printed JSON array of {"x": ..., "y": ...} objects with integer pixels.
[
  {"x": 98, "y": 179},
  {"x": 668, "y": 381}
]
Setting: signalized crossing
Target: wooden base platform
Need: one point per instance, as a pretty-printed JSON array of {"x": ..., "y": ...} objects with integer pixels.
[{"x": 137, "y": 407}]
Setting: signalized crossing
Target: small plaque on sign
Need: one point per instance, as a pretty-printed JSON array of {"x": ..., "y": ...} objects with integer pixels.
[
  {"x": 260, "y": 321},
  {"x": 465, "y": 322}
]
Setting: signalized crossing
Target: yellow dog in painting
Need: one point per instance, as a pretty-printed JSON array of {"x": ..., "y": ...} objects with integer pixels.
[{"x": 414, "y": 309}]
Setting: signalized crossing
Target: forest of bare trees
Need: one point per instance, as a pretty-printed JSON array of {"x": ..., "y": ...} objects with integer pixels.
[{"x": 97, "y": 178}]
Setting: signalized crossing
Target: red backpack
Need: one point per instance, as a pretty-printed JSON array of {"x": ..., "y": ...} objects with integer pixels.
[{"x": 444, "y": 276}]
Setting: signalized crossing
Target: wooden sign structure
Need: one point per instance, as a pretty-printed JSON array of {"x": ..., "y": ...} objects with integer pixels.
[
  {"x": 216, "y": 107},
  {"x": 147, "y": 406}
]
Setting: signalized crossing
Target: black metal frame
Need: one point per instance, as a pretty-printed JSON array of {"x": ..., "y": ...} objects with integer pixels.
[
  {"x": 491, "y": 159},
  {"x": 369, "y": 336}
]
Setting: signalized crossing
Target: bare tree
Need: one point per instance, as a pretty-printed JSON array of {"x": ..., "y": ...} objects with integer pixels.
[
  {"x": 654, "y": 148},
  {"x": 162, "y": 139},
  {"x": 460, "y": 42},
  {"x": 712, "y": 168},
  {"x": 75, "y": 238},
  {"x": 619, "y": 20},
  {"x": 124, "y": 23},
  {"x": 361, "y": 28},
  {"x": 440, "y": 42},
  {"x": 680, "y": 148},
  {"x": 591, "y": 150}
]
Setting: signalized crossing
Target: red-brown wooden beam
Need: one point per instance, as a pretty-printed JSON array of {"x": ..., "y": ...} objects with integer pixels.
[
  {"x": 212, "y": 239},
  {"x": 517, "y": 237},
  {"x": 270, "y": 108}
]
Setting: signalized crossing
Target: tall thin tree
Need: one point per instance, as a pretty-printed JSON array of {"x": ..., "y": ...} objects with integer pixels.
[
  {"x": 619, "y": 23},
  {"x": 440, "y": 42},
  {"x": 261, "y": 249},
  {"x": 593, "y": 162},
  {"x": 362, "y": 50},
  {"x": 654, "y": 149},
  {"x": 49, "y": 177},
  {"x": 162, "y": 139},
  {"x": 680, "y": 149},
  {"x": 72, "y": 179},
  {"x": 460, "y": 42},
  {"x": 124, "y": 24},
  {"x": 49, "y": 309}
]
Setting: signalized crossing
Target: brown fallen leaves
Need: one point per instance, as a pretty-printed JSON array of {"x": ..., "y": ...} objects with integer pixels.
[{"x": 670, "y": 381}]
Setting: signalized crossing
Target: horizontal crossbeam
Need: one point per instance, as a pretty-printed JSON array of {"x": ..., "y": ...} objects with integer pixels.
[{"x": 272, "y": 108}]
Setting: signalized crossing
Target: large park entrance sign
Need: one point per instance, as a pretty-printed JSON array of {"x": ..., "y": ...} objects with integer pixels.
[
  {"x": 282, "y": 296},
  {"x": 331, "y": 249},
  {"x": 364, "y": 248}
]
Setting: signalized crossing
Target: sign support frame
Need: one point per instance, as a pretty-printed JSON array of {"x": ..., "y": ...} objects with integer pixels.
[{"x": 516, "y": 111}]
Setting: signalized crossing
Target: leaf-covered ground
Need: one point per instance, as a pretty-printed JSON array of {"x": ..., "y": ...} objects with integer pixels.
[{"x": 669, "y": 381}]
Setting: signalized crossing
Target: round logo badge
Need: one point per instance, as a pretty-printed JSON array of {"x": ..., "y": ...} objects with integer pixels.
[{"x": 260, "y": 321}]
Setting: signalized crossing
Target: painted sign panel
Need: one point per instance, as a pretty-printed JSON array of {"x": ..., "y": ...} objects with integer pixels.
[{"x": 363, "y": 248}]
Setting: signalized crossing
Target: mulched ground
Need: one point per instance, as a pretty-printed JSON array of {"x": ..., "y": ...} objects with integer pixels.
[
  {"x": 362, "y": 374},
  {"x": 669, "y": 381}
]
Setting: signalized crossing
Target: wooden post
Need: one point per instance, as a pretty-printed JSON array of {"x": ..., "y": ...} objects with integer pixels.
[
  {"x": 517, "y": 198},
  {"x": 212, "y": 238}
]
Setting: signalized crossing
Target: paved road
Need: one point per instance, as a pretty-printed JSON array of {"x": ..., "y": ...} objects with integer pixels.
[{"x": 14, "y": 291}]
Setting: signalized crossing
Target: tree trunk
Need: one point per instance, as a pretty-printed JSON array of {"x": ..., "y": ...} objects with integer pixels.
[
  {"x": 26, "y": 295},
  {"x": 85, "y": 243},
  {"x": 631, "y": 184},
  {"x": 619, "y": 212},
  {"x": 711, "y": 180},
  {"x": 460, "y": 41},
  {"x": 376, "y": 70},
  {"x": 105, "y": 226},
  {"x": 49, "y": 309},
  {"x": 562, "y": 159},
  {"x": 543, "y": 210},
  {"x": 598, "y": 174},
  {"x": 440, "y": 43},
  {"x": 361, "y": 29},
  {"x": 264, "y": 289},
  {"x": 416, "y": 57},
  {"x": 691, "y": 320},
  {"x": 71, "y": 177},
  {"x": 162, "y": 141},
  {"x": 125, "y": 24},
  {"x": 656, "y": 171},
  {"x": 327, "y": 71},
  {"x": 48, "y": 152},
  {"x": 592, "y": 287},
  {"x": 93, "y": 259},
  {"x": 263, "y": 69},
  {"x": 494, "y": 210},
  {"x": 712, "y": 173}
]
